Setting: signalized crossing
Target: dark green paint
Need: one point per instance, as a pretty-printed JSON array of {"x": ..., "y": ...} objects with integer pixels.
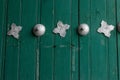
[
  {"x": 118, "y": 37},
  {"x": 27, "y": 57},
  {"x": 112, "y": 43},
  {"x": 99, "y": 50},
  {"x": 3, "y": 11},
  {"x": 74, "y": 40},
  {"x": 62, "y": 11},
  {"x": 51, "y": 57},
  {"x": 84, "y": 42},
  {"x": 12, "y": 45},
  {"x": 47, "y": 41}
]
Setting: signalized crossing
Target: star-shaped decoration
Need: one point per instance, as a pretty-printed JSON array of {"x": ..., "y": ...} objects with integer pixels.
[
  {"x": 14, "y": 31},
  {"x": 61, "y": 28},
  {"x": 105, "y": 28}
]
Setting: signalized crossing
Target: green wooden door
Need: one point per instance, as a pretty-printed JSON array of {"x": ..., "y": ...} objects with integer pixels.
[{"x": 50, "y": 57}]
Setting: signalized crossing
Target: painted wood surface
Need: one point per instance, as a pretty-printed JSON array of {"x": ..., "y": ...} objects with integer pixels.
[
  {"x": 3, "y": 17},
  {"x": 12, "y": 45},
  {"x": 51, "y": 57}
]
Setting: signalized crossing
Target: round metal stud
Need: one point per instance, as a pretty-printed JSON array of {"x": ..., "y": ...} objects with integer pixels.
[
  {"x": 39, "y": 30},
  {"x": 83, "y": 29}
]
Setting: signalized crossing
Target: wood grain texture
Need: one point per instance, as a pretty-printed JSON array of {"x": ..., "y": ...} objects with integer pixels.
[
  {"x": 51, "y": 57},
  {"x": 99, "y": 46},
  {"x": 27, "y": 62},
  {"x": 3, "y": 10},
  {"x": 74, "y": 40},
  {"x": 85, "y": 41},
  {"x": 47, "y": 41},
  {"x": 38, "y": 20},
  {"x": 118, "y": 37},
  {"x": 62, "y": 65},
  {"x": 1, "y": 26},
  {"x": 12, "y": 45},
  {"x": 112, "y": 42}
]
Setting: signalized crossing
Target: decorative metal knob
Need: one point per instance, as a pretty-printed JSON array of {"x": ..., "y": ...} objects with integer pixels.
[
  {"x": 39, "y": 30},
  {"x": 83, "y": 29}
]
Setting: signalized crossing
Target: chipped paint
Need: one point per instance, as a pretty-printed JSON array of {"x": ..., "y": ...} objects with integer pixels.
[
  {"x": 37, "y": 66},
  {"x": 73, "y": 59}
]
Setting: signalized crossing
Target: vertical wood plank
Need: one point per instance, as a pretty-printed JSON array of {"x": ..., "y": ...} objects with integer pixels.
[
  {"x": 112, "y": 49},
  {"x": 3, "y": 9},
  {"x": 47, "y": 41},
  {"x": 118, "y": 36},
  {"x": 99, "y": 47},
  {"x": 12, "y": 45},
  {"x": 74, "y": 39},
  {"x": 38, "y": 20},
  {"x": 1, "y": 27},
  {"x": 28, "y": 41},
  {"x": 84, "y": 42},
  {"x": 62, "y": 45}
]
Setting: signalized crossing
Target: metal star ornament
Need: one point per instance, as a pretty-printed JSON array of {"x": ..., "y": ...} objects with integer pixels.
[
  {"x": 14, "y": 31},
  {"x": 61, "y": 28},
  {"x": 105, "y": 28}
]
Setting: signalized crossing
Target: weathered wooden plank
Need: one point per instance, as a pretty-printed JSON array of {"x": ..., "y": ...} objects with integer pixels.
[
  {"x": 1, "y": 27},
  {"x": 62, "y": 65},
  {"x": 12, "y": 45},
  {"x": 74, "y": 39},
  {"x": 118, "y": 37},
  {"x": 112, "y": 48},
  {"x": 47, "y": 41},
  {"x": 99, "y": 47},
  {"x": 27, "y": 62},
  {"x": 38, "y": 19},
  {"x": 3, "y": 9},
  {"x": 84, "y": 41}
]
